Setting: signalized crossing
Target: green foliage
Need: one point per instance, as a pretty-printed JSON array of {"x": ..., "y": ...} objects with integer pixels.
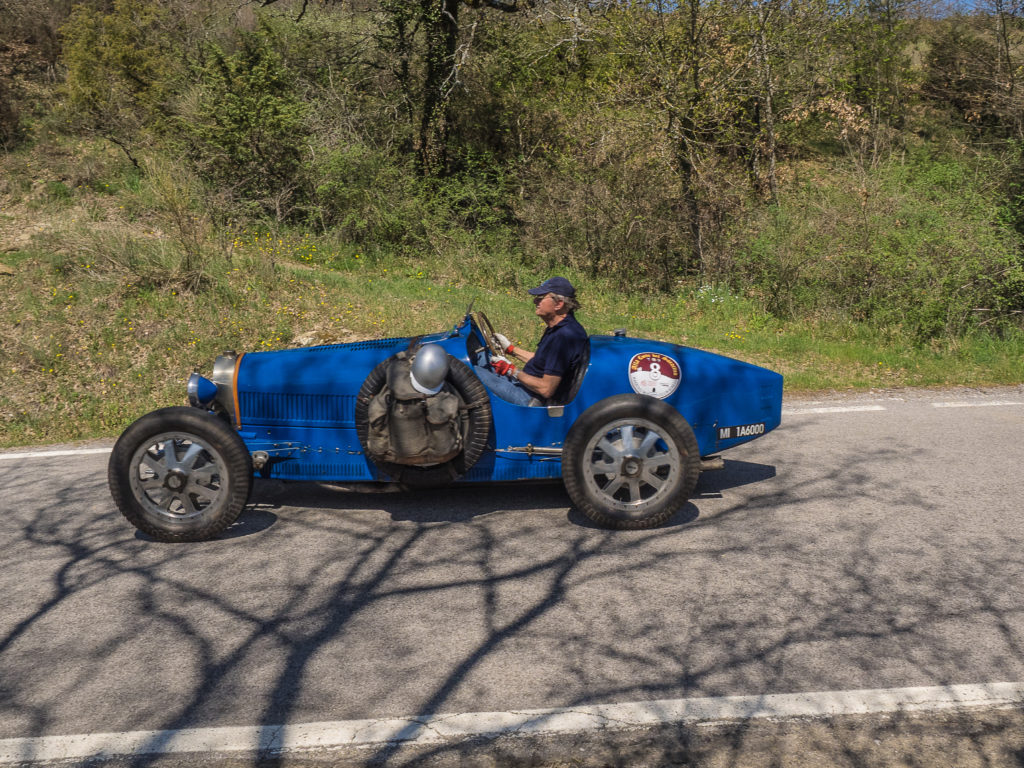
[
  {"x": 620, "y": 220},
  {"x": 914, "y": 245},
  {"x": 759, "y": 146},
  {"x": 363, "y": 196},
  {"x": 121, "y": 70},
  {"x": 959, "y": 73},
  {"x": 1012, "y": 212},
  {"x": 248, "y": 129},
  {"x": 973, "y": 72}
]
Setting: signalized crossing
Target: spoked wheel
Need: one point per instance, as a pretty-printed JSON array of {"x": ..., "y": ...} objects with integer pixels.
[
  {"x": 180, "y": 474},
  {"x": 630, "y": 461}
]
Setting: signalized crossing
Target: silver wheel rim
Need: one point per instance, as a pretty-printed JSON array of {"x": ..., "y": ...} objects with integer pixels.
[
  {"x": 630, "y": 466},
  {"x": 178, "y": 477}
]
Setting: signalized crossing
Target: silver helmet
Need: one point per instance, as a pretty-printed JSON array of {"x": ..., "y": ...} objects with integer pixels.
[{"x": 429, "y": 369}]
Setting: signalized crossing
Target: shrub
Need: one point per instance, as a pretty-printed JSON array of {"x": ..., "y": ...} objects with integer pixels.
[
  {"x": 624, "y": 220},
  {"x": 10, "y": 128},
  {"x": 121, "y": 70},
  {"x": 367, "y": 196},
  {"x": 916, "y": 245},
  {"x": 247, "y": 127},
  {"x": 363, "y": 195}
]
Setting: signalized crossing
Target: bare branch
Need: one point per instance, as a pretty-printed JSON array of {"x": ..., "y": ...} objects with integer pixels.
[{"x": 512, "y": 7}]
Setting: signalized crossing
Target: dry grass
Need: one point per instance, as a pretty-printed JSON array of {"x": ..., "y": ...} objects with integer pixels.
[{"x": 118, "y": 286}]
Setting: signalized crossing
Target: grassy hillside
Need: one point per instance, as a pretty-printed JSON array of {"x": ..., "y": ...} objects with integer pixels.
[
  {"x": 831, "y": 194},
  {"x": 115, "y": 294}
]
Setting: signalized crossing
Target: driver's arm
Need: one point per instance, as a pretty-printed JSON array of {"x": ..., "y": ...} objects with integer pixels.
[
  {"x": 544, "y": 386},
  {"x": 523, "y": 354}
]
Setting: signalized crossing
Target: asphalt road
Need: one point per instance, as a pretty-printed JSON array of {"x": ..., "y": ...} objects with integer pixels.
[{"x": 870, "y": 542}]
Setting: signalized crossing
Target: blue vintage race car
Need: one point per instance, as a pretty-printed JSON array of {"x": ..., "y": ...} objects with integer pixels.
[{"x": 630, "y": 440}]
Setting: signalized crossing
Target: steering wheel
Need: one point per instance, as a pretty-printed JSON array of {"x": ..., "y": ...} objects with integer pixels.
[{"x": 487, "y": 331}]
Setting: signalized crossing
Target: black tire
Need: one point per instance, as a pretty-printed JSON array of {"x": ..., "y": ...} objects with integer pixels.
[
  {"x": 630, "y": 462},
  {"x": 475, "y": 434},
  {"x": 191, "y": 493}
]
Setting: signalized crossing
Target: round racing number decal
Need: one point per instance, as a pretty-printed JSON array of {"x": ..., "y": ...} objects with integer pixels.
[{"x": 654, "y": 374}]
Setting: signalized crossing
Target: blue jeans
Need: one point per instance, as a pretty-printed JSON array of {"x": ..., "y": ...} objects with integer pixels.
[{"x": 502, "y": 386}]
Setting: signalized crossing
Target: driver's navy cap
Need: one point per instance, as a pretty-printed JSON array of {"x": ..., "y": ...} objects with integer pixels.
[{"x": 557, "y": 285}]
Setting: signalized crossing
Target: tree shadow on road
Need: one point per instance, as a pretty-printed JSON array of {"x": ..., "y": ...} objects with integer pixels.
[
  {"x": 463, "y": 502},
  {"x": 335, "y": 606}
]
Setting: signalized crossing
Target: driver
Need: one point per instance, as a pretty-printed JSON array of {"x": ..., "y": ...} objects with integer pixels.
[{"x": 546, "y": 374}]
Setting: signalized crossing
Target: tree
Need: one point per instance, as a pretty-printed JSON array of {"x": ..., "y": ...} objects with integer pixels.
[
  {"x": 1006, "y": 15},
  {"x": 684, "y": 63},
  {"x": 425, "y": 37},
  {"x": 426, "y": 47},
  {"x": 875, "y": 38},
  {"x": 120, "y": 70},
  {"x": 249, "y": 131}
]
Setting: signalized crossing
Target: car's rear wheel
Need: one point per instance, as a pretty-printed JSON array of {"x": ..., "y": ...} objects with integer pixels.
[
  {"x": 180, "y": 474},
  {"x": 630, "y": 461}
]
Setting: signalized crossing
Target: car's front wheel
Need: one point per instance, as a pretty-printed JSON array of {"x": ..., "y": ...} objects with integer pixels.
[
  {"x": 630, "y": 461},
  {"x": 180, "y": 474}
]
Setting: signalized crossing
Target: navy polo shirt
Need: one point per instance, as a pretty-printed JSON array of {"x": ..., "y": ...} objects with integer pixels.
[{"x": 560, "y": 350}]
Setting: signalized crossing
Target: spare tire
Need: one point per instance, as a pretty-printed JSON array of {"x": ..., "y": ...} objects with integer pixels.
[{"x": 476, "y": 430}]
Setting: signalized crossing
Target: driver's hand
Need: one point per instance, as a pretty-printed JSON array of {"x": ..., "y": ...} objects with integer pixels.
[
  {"x": 501, "y": 366},
  {"x": 503, "y": 342}
]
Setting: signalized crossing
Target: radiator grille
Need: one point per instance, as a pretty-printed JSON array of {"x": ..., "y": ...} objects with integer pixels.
[
  {"x": 277, "y": 408},
  {"x": 370, "y": 344}
]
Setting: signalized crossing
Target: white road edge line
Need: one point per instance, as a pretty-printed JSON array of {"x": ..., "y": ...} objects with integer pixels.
[
  {"x": 46, "y": 454},
  {"x": 832, "y": 409},
  {"x": 967, "y": 404},
  {"x": 413, "y": 730}
]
